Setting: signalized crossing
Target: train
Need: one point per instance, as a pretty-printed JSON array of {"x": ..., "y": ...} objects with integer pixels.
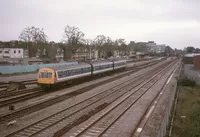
[{"x": 61, "y": 74}]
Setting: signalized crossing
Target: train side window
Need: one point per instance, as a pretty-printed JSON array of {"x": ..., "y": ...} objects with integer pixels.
[
  {"x": 64, "y": 74},
  {"x": 85, "y": 70},
  {"x": 60, "y": 74},
  {"x": 73, "y": 72},
  {"x": 76, "y": 72},
  {"x": 88, "y": 69},
  {"x": 79, "y": 71},
  {"x": 69, "y": 71}
]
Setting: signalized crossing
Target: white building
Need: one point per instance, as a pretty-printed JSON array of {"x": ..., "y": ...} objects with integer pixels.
[
  {"x": 11, "y": 53},
  {"x": 85, "y": 54},
  {"x": 154, "y": 48}
]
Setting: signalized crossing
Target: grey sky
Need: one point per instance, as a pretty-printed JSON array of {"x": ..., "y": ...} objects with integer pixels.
[{"x": 171, "y": 22}]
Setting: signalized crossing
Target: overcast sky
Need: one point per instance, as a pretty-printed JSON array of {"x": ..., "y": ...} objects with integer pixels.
[{"x": 171, "y": 22}]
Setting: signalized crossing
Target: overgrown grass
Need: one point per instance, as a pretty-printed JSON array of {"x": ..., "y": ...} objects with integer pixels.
[
  {"x": 185, "y": 81},
  {"x": 187, "y": 117}
]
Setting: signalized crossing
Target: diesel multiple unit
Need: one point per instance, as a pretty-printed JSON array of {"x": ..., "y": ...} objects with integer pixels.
[{"x": 59, "y": 74}]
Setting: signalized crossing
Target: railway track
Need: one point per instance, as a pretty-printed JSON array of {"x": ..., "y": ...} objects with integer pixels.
[
  {"x": 100, "y": 124},
  {"x": 21, "y": 95},
  {"x": 24, "y": 95},
  {"x": 73, "y": 112},
  {"x": 17, "y": 92},
  {"x": 3, "y": 85},
  {"x": 144, "y": 118},
  {"x": 7, "y": 88}
]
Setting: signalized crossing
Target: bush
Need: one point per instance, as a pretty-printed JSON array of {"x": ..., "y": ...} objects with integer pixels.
[{"x": 187, "y": 82}]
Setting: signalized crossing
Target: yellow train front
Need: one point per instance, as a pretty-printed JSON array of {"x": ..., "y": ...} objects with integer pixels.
[{"x": 46, "y": 76}]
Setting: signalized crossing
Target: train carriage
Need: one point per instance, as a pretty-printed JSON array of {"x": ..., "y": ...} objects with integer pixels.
[
  {"x": 73, "y": 72},
  {"x": 102, "y": 66},
  {"x": 119, "y": 64},
  {"x": 59, "y": 74}
]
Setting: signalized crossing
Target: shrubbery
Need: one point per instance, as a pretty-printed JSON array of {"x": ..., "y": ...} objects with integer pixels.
[{"x": 187, "y": 82}]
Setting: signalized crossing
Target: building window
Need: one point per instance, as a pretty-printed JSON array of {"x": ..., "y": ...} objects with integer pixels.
[
  {"x": 0, "y": 52},
  {"x": 6, "y": 52},
  {"x": 19, "y": 51},
  {"x": 14, "y": 51}
]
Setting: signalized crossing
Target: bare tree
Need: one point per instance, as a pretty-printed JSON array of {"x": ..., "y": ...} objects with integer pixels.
[
  {"x": 120, "y": 41},
  {"x": 73, "y": 35},
  {"x": 99, "y": 41},
  {"x": 89, "y": 44},
  {"x": 108, "y": 47},
  {"x": 73, "y": 39},
  {"x": 120, "y": 46},
  {"x": 31, "y": 35}
]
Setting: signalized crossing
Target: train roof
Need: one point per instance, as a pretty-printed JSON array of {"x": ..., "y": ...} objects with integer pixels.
[
  {"x": 108, "y": 60},
  {"x": 82, "y": 64},
  {"x": 119, "y": 60},
  {"x": 70, "y": 66},
  {"x": 100, "y": 61}
]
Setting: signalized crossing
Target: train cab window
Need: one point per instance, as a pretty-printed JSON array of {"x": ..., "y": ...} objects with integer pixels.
[
  {"x": 45, "y": 75},
  {"x": 49, "y": 75}
]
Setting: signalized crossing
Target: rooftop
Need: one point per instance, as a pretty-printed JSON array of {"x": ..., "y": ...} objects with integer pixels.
[{"x": 191, "y": 54}]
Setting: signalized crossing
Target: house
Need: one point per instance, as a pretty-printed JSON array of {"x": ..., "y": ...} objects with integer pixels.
[{"x": 11, "y": 53}]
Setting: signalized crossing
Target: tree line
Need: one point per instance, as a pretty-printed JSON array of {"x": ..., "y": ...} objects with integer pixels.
[
  {"x": 35, "y": 40},
  {"x": 73, "y": 41}
]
